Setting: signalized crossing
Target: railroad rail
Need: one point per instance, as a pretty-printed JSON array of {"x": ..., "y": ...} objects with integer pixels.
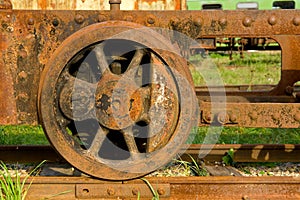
[
  {"x": 212, "y": 187},
  {"x": 240, "y": 188},
  {"x": 115, "y": 96},
  {"x": 242, "y": 153}
]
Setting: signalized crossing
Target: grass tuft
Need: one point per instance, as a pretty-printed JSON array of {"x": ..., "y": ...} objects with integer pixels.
[{"x": 11, "y": 187}]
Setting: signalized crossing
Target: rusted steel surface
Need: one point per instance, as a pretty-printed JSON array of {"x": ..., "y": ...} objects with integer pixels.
[
  {"x": 211, "y": 153},
  {"x": 98, "y": 4},
  {"x": 167, "y": 188},
  {"x": 70, "y": 63},
  {"x": 31, "y": 36}
]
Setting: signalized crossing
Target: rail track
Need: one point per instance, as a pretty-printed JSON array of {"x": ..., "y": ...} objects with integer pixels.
[
  {"x": 212, "y": 187},
  {"x": 243, "y": 188},
  {"x": 242, "y": 153}
]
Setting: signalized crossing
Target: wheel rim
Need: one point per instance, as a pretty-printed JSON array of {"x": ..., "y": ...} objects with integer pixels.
[{"x": 113, "y": 105}]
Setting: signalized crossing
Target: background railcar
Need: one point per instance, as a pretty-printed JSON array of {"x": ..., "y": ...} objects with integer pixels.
[{"x": 242, "y": 4}]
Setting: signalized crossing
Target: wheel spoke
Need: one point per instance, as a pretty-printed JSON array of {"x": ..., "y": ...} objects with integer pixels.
[
  {"x": 135, "y": 62},
  {"x": 101, "y": 58},
  {"x": 97, "y": 142},
  {"x": 130, "y": 142}
]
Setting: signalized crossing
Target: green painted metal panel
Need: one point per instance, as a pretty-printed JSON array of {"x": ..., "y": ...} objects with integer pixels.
[{"x": 233, "y": 4}]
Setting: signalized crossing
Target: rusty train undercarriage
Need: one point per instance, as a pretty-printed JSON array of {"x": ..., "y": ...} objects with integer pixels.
[{"x": 113, "y": 89}]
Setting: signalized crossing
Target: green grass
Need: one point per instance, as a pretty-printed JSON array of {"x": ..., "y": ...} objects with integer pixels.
[
  {"x": 254, "y": 68},
  {"x": 241, "y": 135},
  {"x": 22, "y": 135},
  {"x": 12, "y": 187}
]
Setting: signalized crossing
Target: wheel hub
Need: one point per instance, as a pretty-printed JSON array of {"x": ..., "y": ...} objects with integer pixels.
[{"x": 118, "y": 104}]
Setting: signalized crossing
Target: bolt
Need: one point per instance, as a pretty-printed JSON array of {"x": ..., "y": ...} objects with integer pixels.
[
  {"x": 150, "y": 20},
  {"x": 161, "y": 191},
  {"x": 296, "y": 21},
  {"x": 135, "y": 191},
  {"x": 128, "y": 18},
  {"x": 79, "y": 19},
  {"x": 223, "y": 118},
  {"x": 223, "y": 21},
  {"x": 30, "y": 21},
  {"x": 233, "y": 118},
  {"x": 247, "y": 21},
  {"x": 55, "y": 22},
  {"x": 207, "y": 117},
  {"x": 110, "y": 191},
  {"x": 198, "y": 22},
  {"x": 272, "y": 20}
]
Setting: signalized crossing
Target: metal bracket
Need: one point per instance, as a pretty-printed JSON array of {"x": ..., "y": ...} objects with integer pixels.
[{"x": 92, "y": 191}]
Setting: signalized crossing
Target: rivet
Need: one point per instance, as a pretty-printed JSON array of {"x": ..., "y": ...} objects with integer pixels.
[
  {"x": 296, "y": 21},
  {"x": 223, "y": 118},
  {"x": 233, "y": 118},
  {"x": 30, "y": 21},
  {"x": 223, "y": 21},
  {"x": 55, "y": 22},
  {"x": 135, "y": 191},
  {"x": 79, "y": 19},
  {"x": 110, "y": 191},
  {"x": 272, "y": 20},
  {"x": 101, "y": 18},
  {"x": 198, "y": 22},
  {"x": 161, "y": 191},
  {"x": 128, "y": 18},
  {"x": 247, "y": 21},
  {"x": 208, "y": 117}
]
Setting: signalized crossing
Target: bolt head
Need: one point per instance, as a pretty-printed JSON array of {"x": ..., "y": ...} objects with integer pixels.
[
  {"x": 272, "y": 20},
  {"x": 247, "y": 21},
  {"x": 296, "y": 21},
  {"x": 79, "y": 19}
]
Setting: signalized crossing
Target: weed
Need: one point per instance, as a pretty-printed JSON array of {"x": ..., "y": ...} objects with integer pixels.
[
  {"x": 154, "y": 192},
  {"x": 193, "y": 166},
  {"x": 228, "y": 158},
  {"x": 199, "y": 171},
  {"x": 12, "y": 188}
]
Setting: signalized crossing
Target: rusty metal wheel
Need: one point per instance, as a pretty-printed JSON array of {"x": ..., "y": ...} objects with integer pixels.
[{"x": 116, "y": 101}]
